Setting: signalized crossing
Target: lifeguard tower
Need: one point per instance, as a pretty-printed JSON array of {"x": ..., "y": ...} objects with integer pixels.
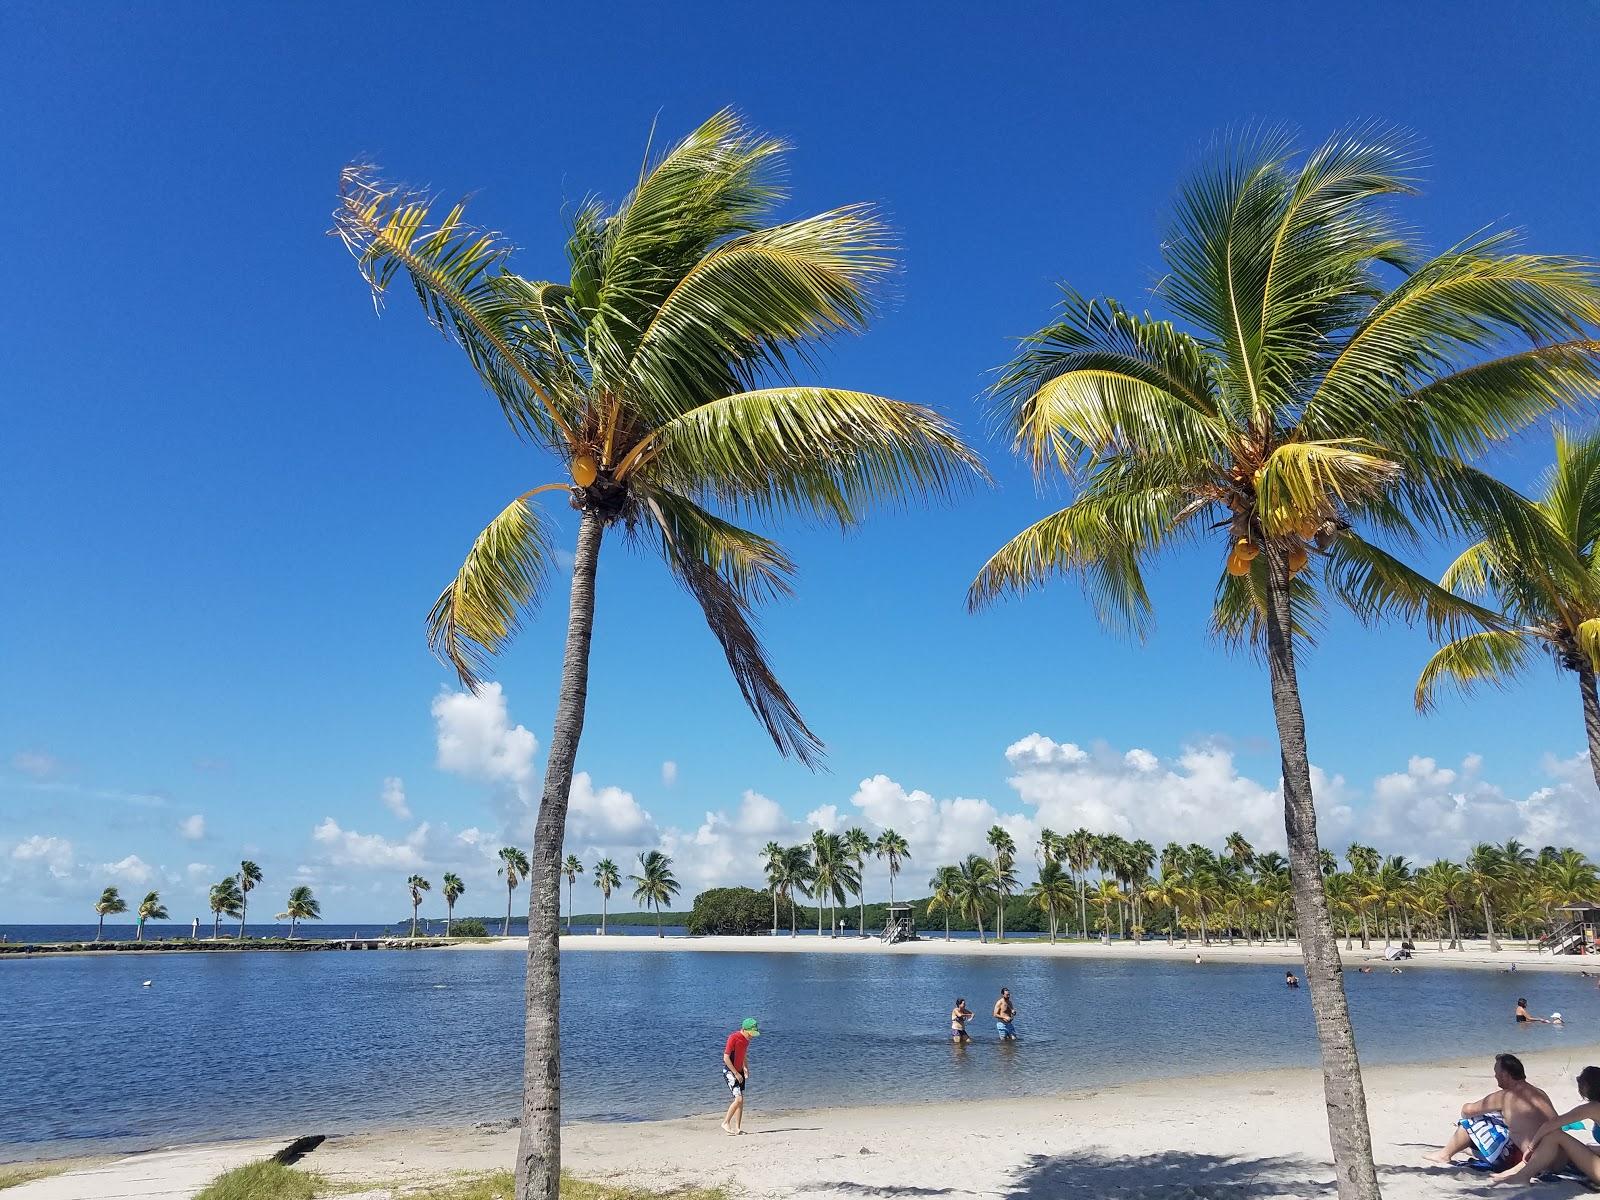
[
  {"x": 900, "y": 926},
  {"x": 1578, "y": 933}
]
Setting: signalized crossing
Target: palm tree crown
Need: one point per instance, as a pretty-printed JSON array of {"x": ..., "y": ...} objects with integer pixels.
[
  {"x": 1549, "y": 604},
  {"x": 654, "y": 885},
  {"x": 642, "y": 376}
]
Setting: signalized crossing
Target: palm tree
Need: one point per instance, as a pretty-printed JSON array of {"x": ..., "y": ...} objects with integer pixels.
[
  {"x": 607, "y": 880},
  {"x": 1549, "y": 605},
  {"x": 514, "y": 868},
  {"x": 110, "y": 904},
  {"x": 249, "y": 875},
  {"x": 302, "y": 906},
  {"x": 452, "y": 889},
  {"x": 789, "y": 874},
  {"x": 1486, "y": 875},
  {"x": 150, "y": 909},
  {"x": 945, "y": 886},
  {"x": 1005, "y": 879},
  {"x": 1106, "y": 897},
  {"x": 1239, "y": 849},
  {"x": 858, "y": 845},
  {"x": 1140, "y": 860},
  {"x": 1448, "y": 884},
  {"x": 1169, "y": 891},
  {"x": 655, "y": 884},
  {"x": 771, "y": 857},
  {"x": 571, "y": 868},
  {"x": 643, "y": 378},
  {"x": 226, "y": 900},
  {"x": 894, "y": 848},
  {"x": 1364, "y": 862},
  {"x": 974, "y": 888},
  {"x": 418, "y": 885},
  {"x": 1052, "y": 890},
  {"x": 1048, "y": 848},
  {"x": 1310, "y": 400},
  {"x": 1080, "y": 847},
  {"x": 833, "y": 875}
]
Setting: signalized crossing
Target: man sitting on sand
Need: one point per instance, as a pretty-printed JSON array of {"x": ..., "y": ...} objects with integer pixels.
[
  {"x": 736, "y": 1071},
  {"x": 1502, "y": 1126},
  {"x": 1554, "y": 1149}
]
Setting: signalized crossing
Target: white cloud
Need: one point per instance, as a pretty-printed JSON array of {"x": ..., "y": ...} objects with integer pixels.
[
  {"x": 669, "y": 772},
  {"x": 605, "y": 816},
  {"x": 193, "y": 828},
  {"x": 394, "y": 797},
  {"x": 348, "y": 848},
  {"x": 51, "y": 853},
  {"x": 36, "y": 763},
  {"x": 199, "y": 872},
  {"x": 130, "y": 870},
  {"x": 476, "y": 738}
]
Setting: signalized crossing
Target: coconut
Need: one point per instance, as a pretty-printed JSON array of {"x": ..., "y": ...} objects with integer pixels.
[{"x": 585, "y": 470}]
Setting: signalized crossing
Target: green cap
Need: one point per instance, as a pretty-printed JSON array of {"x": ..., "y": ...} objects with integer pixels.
[{"x": 749, "y": 1026}]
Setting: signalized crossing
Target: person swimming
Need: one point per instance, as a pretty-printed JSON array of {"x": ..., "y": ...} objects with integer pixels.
[
  {"x": 1524, "y": 1017},
  {"x": 1289, "y": 980},
  {"x": 959, "y": 1016}
]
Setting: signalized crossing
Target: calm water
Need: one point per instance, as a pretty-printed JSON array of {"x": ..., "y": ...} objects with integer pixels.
[
  {"x": 122, "y": 932},
  {"x": 230, "y": 1044}
]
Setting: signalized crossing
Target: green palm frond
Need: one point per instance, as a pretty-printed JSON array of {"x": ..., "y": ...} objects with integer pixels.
[
  {"x": 459, "y": 276},
  {"x": 1239, "y": 609},
  {"x": 1463, "y": 302},
  {"x": 480, "y": 610},
  {"x": 809, "y": 450},
  {"x": 1098, "y": 537},
  {"x": 727, "y": 614},
  {"x": 1373, "y": 584},
  {"x": 1300, "y": 478},
  {"x": 755, "y": 566},
  {"x": 1077, "y": 386},
  {"x": 752, "y": 304},
  {"x": 1496, "y": 656}
]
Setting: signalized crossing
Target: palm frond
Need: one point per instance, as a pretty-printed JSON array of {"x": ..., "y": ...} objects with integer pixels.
[
  {"x": 1099, "y": 537},
  {"x": 1373, "y": 584},
  {"x": 756, "y": 567},
  {"x": 1239, "y": 609},
  {"x": 480, "y": 610},
  {"x": 1495, "y": 656},
  {"x": 1473, "y": 572},
  {"x": 1299, "y": 478},
  {"x": 727, "y": 614},
  {"x": 1101, "y": 378},
  {"x": 754, "y": 303},
  {"x": 1587, "y": 635},
  {"x": 1464, "y": 302},
  {"x": 811, "y": 450},
  {"x": 459, "y": 275},
  {"x": 1571, "y": 491}
]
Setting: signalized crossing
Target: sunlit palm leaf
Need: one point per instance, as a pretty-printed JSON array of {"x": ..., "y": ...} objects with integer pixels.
[
  {"x": 810, "y": 450},
  {"x": 1299, "y": 478},
  {"x": 1495, "y": 656},
  {"x": 480, "y": 610},
  {"x": 1374, "y": 583},
  {"x": 1239, "y": 609},
  {"x": 457, "y": 270}
]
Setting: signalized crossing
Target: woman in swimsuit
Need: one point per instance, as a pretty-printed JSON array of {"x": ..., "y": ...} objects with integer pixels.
[{"x": 959, "y": 1016}]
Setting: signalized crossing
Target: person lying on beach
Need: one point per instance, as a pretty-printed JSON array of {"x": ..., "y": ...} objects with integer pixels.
[
  {"x": 959, "y": 1016},
  {"x": 1501, "y": 1127},
  {"x": 1553, "y": 1148},
  {"x": 1005, "y": 1012},
  {"x": 1524, "y": 1017}
]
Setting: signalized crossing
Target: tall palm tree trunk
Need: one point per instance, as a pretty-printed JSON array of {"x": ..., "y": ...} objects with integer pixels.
[
  {"x": 659, "y": 933},
  {"x": 100, "y": 927},
  {"x": 1488, "y": 922},
  {"x": 413, "y": 918},
  {"x": 1455, "y": 938},
  {"x": 569, "y": 906},
  {"x": 538, "y": 1171},
  {"x": 1346, "y": 1100},
  {"x": 505, "y": 930},
  {"x": 449, "y": 918},
  {"x": 244, "y": 907},
  {"x": 1591, "y": 715},
  {"x": 605, "y": 907},
  {"x": 774, "y": 912},
  {"x": 216, "y": 926}
]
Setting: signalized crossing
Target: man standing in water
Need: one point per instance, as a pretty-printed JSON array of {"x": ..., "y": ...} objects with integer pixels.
[
  {"x": 1005, "y": 1013},
  {"x": 736, "y": 1071}
]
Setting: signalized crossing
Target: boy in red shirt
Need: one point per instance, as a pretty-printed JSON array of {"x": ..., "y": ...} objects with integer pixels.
[{"x": 736, "y": 1071}]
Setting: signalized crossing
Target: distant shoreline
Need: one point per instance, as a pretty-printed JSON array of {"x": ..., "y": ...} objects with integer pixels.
[{"x": 1476, "y": 956}]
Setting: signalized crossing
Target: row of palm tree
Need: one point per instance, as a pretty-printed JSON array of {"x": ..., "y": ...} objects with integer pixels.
[
  {"x": 227, "y": 898},
  {"x": 831, "y": 867},
  {"x": 1330, "y": 380}
]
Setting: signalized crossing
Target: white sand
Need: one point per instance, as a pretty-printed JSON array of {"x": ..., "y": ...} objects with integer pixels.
[
  {"x": 1474, "y": 956},
  {"x": 1243, "y": 1135}
]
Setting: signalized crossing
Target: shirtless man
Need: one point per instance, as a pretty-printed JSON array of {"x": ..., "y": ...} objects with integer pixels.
[
  {"x": 1517, "y": 1105},
  {"x": 1004, "y": 1013}
]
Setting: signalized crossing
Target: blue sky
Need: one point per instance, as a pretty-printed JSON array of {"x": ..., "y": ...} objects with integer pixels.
[{"x": 231, "y": 491}]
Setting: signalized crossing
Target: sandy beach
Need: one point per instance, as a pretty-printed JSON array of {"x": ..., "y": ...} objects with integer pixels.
[
  {"x": 1237, "y": 1135},
  {"x": 1473, "y": 955}
]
